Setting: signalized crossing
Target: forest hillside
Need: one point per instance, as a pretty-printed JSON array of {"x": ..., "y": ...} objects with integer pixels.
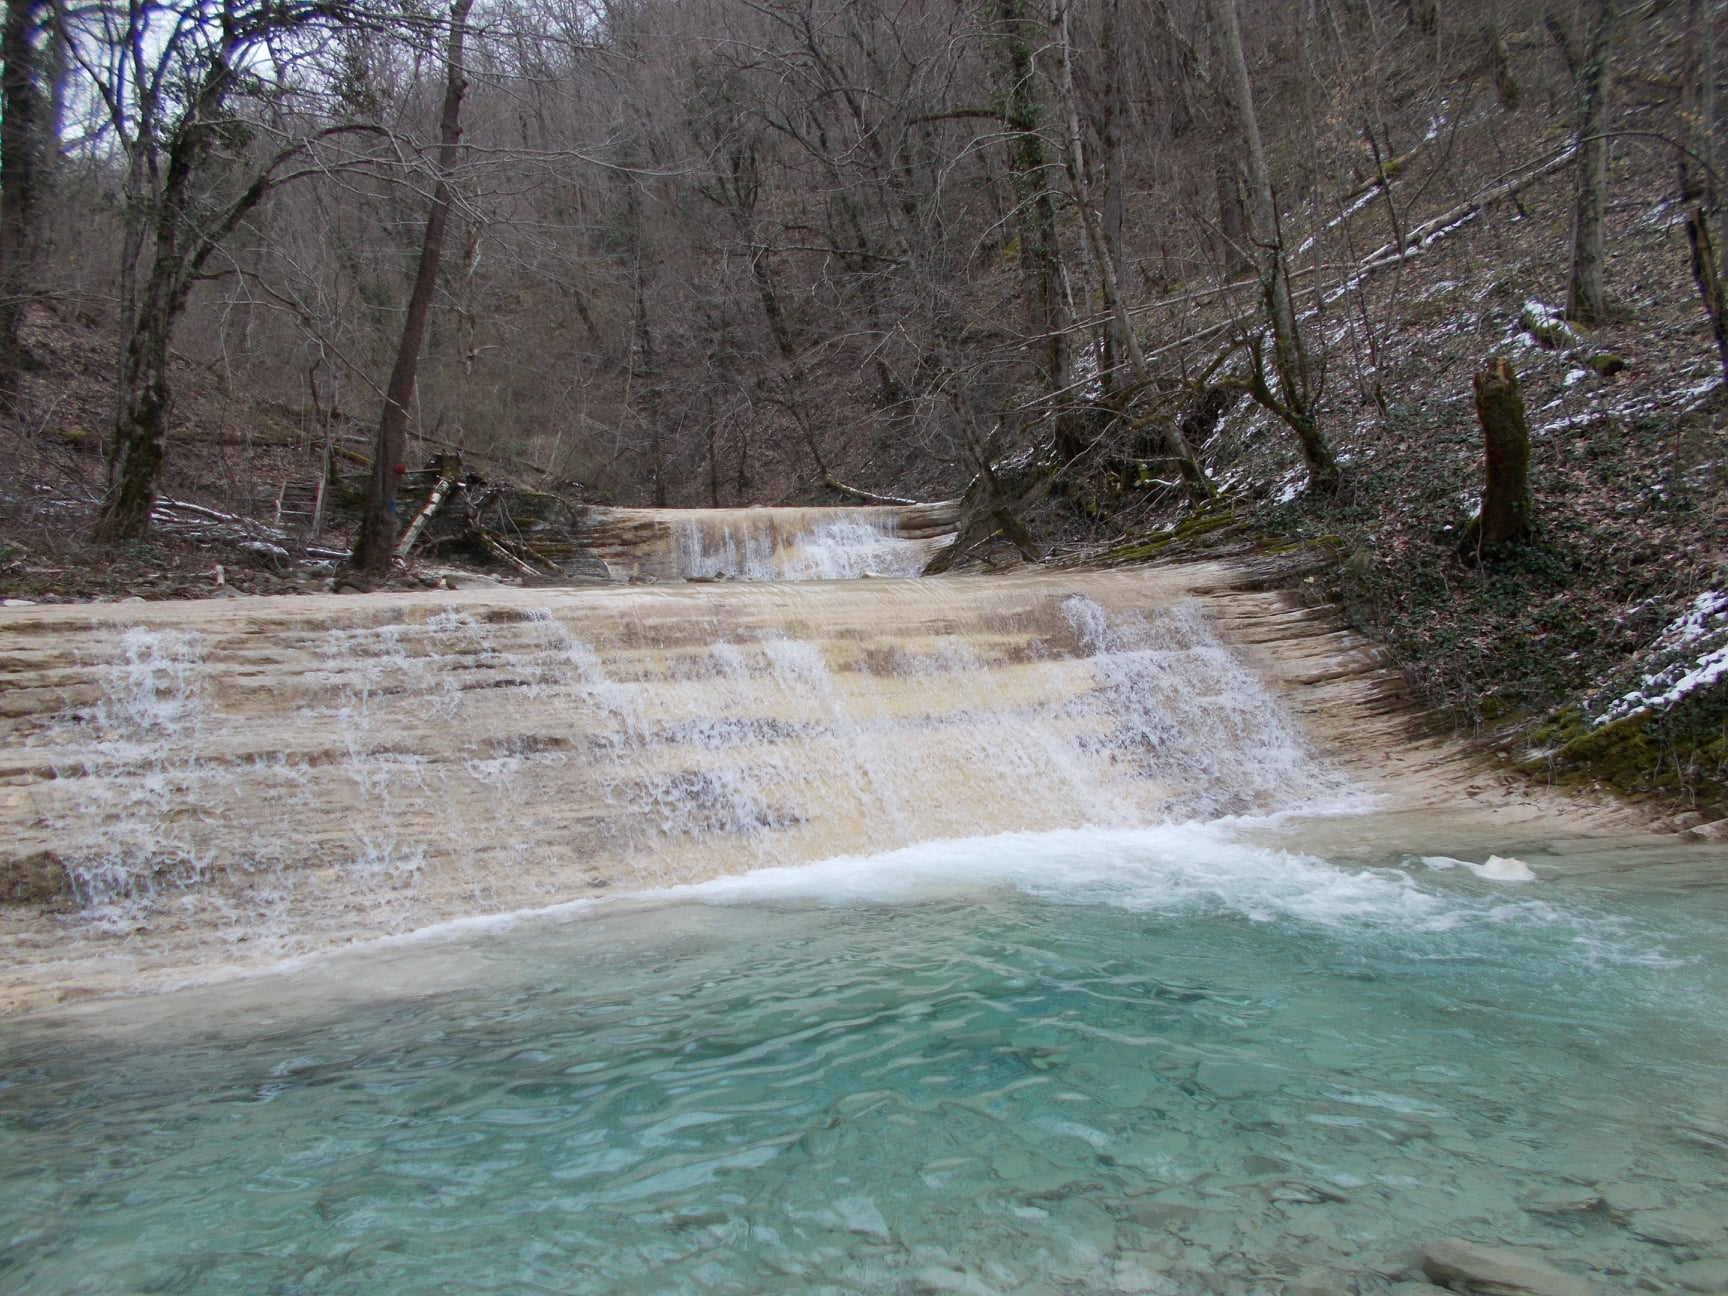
[{"x": 1126, "y": 279}]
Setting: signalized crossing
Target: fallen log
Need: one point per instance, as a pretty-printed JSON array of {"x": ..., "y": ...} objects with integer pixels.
[{"x": 449, "y": 471}]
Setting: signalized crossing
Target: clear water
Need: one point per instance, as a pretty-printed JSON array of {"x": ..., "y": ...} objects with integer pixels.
[{"x": 1161, "y": 1061}]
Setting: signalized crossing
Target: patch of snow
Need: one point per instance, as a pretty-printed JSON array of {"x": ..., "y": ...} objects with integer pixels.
[
  {"x": 1543, "y": 314},
  {"x": 1570, "y": 422},
  {"x": 1664, "y": 215},
  {"x": 1703, "y": 625},
  {"x": 1441, "y": 233},
  {"x": 1576, "y": 376},
  {"x": 1699, "y": 394},
  {"x": 1695, "y": 622}
]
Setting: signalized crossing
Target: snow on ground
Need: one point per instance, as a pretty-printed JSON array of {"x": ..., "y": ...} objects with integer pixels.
[{"x": 1701, "y": 634}]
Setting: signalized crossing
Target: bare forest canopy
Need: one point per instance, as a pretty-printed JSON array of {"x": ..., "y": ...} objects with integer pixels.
[{"x": 722, "y": 252}]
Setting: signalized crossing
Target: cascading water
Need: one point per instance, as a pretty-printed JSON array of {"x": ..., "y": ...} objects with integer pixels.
[
  {"x": 887, "y": 937},
  {"x": 453, "y": 758},
  {"x": 839, "y": 546},
  {"x": 767, "y": 544}
]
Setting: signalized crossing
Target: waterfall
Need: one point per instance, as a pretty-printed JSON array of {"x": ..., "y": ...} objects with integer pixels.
[
  {"x": 767, "y": 544},
  {"x": 256, "y": 779}
]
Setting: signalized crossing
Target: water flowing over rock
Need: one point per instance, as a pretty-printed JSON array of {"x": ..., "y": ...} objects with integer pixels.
[
  {"x": 204, "y": 783},
  {"x": 764, "y": 544}
]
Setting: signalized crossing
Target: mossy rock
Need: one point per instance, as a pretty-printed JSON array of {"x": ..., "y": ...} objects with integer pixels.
[{"x": 1677, "y": 754}]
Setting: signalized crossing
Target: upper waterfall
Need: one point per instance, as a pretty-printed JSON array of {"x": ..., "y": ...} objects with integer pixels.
[{"x": 767, "y": 544}]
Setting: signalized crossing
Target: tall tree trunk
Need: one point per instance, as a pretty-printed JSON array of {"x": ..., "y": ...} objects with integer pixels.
[
  {"x": 1697, "y": 159},
  {"x": 1699, "y": 171},
  {"x": 148, "y": 403},
  {"x": 1586, "y": 298},
  {"x": 1295, "y": 399},
  {"x": 1034, "y": 210},
  {"x": 1232, "y": 217},
  {"x": 25, "y": 122},
  {"x": 375, "y": 547}
]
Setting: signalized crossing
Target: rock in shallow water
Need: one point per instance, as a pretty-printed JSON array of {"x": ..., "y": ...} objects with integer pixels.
[
  {"x": 1496, "y": 1271},
  {"x": 1703, "y": 1276}
]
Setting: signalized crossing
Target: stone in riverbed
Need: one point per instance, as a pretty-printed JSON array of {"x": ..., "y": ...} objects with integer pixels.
[
  {"x": 951, "y": 1279},
  {"x": 1495, "y": 1271},
  {"x": 1234, "y": 1079},
  {"x": 1678, "y": 1227},
  {"x": 1321, "y": 1282},
  {"x": 860, "y": 1215},
  {"x": 1703, "y": 1276}
]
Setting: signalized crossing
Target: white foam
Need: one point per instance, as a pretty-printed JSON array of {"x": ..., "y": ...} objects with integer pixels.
[
  {"x": 1496, "y": 868},
  {"x": 1165, "y": 869}
]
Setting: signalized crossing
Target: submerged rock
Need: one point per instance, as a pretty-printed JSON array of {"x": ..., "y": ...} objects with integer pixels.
[
  {"x": 1495, "y": 1271},
  {"x": 1703, "y": 1276}
]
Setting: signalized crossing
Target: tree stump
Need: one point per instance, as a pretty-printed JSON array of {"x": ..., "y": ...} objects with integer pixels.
[{"x": 1504, "y": 518}]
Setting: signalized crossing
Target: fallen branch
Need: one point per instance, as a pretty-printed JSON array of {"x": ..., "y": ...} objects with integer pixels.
[
  {"x": 833, "y": 483},
  {"x": 1430, "y": 231},
  {"x": 501, "y": 551},
  {"x": 1418, "y": 240}
]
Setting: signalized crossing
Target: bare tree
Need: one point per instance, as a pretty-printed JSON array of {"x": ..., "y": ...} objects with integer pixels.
[
  {"x": 1295, "y": 398},
  {"x": 375, "y": 546},
  {"x": 169, "y": 83}
]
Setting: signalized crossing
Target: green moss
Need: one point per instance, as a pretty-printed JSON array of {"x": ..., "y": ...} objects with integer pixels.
[
  {"x": 1202, "y": 523},
  {"x": 1680, "y": 753}
]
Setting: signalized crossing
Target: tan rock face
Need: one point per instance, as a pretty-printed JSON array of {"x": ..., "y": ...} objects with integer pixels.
[{"x": 193, "y": 786}]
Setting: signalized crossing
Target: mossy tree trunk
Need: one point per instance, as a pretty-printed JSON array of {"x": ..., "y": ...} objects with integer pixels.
[
  {"x": 181, "y": 142},
  {"x": 179, "y": 249},
  {"x": 1018, "y": 28},
  {"x": 1506, "y": 503},
  {"x": 26, "y": 123}
]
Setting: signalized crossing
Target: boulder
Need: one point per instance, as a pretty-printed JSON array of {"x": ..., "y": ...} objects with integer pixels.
[{"x": 1496, "y": 1271}]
